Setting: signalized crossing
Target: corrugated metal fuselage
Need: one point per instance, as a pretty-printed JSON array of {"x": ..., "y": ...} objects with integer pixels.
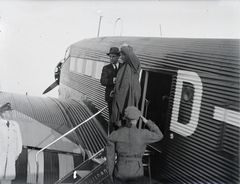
[{"x": 193, "y": 89}]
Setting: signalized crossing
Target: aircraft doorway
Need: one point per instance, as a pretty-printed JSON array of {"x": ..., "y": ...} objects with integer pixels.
[{"x": 155, "y": 97}]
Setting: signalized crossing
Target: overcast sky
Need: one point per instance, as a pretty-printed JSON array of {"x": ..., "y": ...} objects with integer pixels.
[{"x": 35, "y": 34}]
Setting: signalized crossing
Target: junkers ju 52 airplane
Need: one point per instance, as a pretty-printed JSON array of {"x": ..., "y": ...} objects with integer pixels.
[{"x": 190, "y": 89}]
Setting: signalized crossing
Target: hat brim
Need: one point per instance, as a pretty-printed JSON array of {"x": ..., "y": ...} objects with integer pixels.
[
  {"x": 113, "y": 53},
  {"x": 7, "y": 110},
  {"x": 6, "y": 107}
]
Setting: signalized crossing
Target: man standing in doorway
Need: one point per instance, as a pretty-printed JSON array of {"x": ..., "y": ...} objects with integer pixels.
[
  {"x": 127, "y": 91},
  {"x": 10, "y": 144},
  {"x": 108, "y": 78}
]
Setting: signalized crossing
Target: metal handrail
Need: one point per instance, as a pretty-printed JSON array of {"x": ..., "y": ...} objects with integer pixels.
[{"x": 62, "y": 137}]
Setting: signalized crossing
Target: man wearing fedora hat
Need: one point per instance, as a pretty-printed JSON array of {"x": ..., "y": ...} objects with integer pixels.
[
  {"x": 129, "y": 143},
  {"x": 10, "y": 144},
  {"x": 108, "y": 78}
]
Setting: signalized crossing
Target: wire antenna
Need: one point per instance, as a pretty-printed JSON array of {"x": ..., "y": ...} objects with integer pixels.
[{"x": 119, "y": 19}]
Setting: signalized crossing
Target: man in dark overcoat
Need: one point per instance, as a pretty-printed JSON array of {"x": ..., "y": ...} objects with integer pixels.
[
  {"x": 108, "y": 77},
  {"x": 129, "y": 143},
  {"x": 127, "y": 91}
]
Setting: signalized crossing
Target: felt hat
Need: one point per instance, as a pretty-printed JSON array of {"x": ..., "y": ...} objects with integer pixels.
[
  {"x": 6, "y": 107},
  {"x": 132, "y": 113},
  {"x": 114, "y": 50}
]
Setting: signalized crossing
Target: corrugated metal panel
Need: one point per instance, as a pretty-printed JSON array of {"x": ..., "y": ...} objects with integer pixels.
[
  {"x": 90, "y": 87},
  {"x": 44, "y": 110},
  {"x": 166, "y": 52},
  {"x": 58, "y": 112},
  {"x": 211, "y": 154},
  {"x": 51, "y": 164},
  {"x": 51, "y": 167},
  {"x": 202, "y": 157},
  {"x": 90, "y": 134}
]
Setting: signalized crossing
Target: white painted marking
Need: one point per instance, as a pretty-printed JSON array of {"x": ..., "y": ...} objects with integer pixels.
[
  {"x": 74, "y": 174},
  {"x": 226, "y": 115},
  {"x": 189, "y": 128}
]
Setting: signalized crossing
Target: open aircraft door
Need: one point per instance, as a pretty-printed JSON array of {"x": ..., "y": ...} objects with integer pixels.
[{"x": 156, "y": 88}]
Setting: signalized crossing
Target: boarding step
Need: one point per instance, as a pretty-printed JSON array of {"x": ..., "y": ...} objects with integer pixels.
[{"x": 94, "y": 170}]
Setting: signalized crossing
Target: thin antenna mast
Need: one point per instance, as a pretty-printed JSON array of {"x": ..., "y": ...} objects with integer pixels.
[
  {"x": 99, "y": 25},
  {"x": 160, "y": 29}
]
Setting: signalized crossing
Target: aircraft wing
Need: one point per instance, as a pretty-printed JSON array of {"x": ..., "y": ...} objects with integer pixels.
[
  {"x": 43, "y": 120},
  {"x": 60, "y": 115}
]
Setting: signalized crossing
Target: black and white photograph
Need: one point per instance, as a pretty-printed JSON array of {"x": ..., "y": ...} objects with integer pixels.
[{"x": 119, "y": 91}]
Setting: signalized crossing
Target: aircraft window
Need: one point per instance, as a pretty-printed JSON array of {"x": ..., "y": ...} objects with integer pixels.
[
  {"x": 89, "y": 65},
  {"x": 187, "y": 94},
  {"x": 80, "y": 63},
  {"x": 98, "y": 71},
  {"x": 72, "y": 64}
]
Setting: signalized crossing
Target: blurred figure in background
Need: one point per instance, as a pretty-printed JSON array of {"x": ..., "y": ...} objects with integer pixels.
[{"x": 10, "y": 144}]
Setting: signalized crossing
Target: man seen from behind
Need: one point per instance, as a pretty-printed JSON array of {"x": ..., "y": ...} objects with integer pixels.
[{"x": 129, "y": 143}]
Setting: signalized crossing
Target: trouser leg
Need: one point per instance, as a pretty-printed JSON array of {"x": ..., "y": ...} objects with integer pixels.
[
  {"x": 109, "y": 114},
  {"x": 110, "y": 109}
]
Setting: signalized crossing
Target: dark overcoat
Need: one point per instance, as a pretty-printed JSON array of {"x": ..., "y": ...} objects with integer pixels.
[
  {"x": 129, "y": 144},
  {"x": 127, "y": 90},
  {"x": 108, "y": 73}
]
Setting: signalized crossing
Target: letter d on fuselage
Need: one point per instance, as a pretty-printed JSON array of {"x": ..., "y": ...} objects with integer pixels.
[{"x": 187, "y": 128}]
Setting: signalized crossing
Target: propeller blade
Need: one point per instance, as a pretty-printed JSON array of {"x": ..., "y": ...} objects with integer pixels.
[{"x": 53, "y": 85}]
